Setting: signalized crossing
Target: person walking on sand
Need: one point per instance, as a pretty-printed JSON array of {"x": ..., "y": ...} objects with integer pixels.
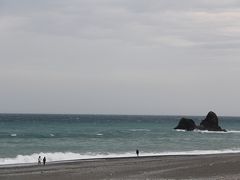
[
  {"x": 137, "y": 152},
  {"x": 39, "y": 160},
  {"x": 44, "y": 161}
]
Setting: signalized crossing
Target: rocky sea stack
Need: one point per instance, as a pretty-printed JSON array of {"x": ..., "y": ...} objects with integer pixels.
[
  {"x": 186, "y": 124},
  {"x": 210, "y": 123}
]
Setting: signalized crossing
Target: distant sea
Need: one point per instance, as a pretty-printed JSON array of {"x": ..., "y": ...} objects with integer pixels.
[{"x": 23, "y": 137}]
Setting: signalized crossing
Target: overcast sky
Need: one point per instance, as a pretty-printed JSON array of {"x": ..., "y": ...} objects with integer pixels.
[{"x": 120, "y": 56}]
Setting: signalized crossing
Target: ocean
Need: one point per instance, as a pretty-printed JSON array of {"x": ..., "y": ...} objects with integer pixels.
[{"x": 23, "y": 137}]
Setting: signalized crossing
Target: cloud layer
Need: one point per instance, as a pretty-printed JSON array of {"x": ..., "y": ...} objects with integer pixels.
[{"x": 119, "y": 56}]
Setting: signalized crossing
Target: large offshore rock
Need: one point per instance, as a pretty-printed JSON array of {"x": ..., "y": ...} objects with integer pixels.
[
  {"x": 186, "y": 124},
  {"x": 210, "y": 123}
]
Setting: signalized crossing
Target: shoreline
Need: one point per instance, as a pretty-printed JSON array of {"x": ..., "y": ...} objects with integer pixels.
[
  {"x": 152, "y": 167},
  {"x": 145, "y": 155}
]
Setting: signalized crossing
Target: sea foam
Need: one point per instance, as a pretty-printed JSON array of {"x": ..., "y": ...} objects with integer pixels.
[
  {"x": 211, "y": 132},
  {"x": 64, "y": 156},
  {"x": 217, "y": 132}
]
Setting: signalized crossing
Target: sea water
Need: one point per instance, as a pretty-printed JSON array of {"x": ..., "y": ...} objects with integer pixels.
[{"x": 23, "y": 137}]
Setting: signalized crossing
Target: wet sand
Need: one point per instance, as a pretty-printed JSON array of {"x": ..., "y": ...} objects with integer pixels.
[{"x": 221, "y": 166}]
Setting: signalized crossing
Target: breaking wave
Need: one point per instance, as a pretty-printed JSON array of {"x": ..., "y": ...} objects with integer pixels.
[
  {"x": 181, "y": 130},
  {"x": 211, "y": 132},
  {"x": 64, "y": 156},
  {"x": 217, "y": 132}
]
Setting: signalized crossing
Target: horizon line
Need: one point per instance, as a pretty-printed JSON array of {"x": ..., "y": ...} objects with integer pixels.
[{"x": 108, "y": 114}]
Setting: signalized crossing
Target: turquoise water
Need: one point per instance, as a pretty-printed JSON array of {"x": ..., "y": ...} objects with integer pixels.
[{"x": 62, "y": 137}]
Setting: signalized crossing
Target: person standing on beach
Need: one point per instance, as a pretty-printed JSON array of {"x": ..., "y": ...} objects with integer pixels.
[
  {"x": 39, "y": 160},
  {"x": 137, "y": 152},
  {"x": 44, "y": 161}
]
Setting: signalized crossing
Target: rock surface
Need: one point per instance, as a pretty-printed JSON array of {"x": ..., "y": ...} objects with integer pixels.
[{"x": 186, "y": 124}]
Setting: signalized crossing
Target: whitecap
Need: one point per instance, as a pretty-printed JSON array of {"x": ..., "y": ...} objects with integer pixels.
[
  {"x": 52, "y": 135},
  {"x": 99, "y": 134},
  {"x": 13, "y": 135}
]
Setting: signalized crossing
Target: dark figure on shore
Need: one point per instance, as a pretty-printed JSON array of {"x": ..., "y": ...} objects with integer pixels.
[
  {"x": 137, "y": 152},
  {"x": 39, "y": 160},
  {"x": 44, "y": 161}
]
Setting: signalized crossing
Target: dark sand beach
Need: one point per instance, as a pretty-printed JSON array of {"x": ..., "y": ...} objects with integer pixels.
[{"x": 221, "y": 166}]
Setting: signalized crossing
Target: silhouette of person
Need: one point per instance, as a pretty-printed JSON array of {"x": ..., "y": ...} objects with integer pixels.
[
  {"x": 44, "y": 161},
  {"x": 39, "y": 160},
  {"x": 137, "y": 152}
]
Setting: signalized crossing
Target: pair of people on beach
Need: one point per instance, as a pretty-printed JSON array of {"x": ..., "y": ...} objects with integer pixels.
[
  {"x": 40, "y": 160},
  {"x": 44, "y": 159}
]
